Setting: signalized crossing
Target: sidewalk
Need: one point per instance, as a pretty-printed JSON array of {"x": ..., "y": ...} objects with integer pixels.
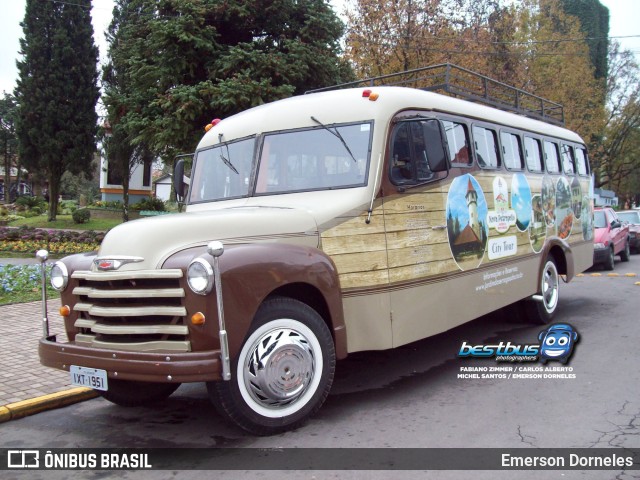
[{"x": 26, "y": 387}]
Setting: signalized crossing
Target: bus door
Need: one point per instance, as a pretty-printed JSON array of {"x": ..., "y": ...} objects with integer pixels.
[{"x": 414, "y": 206}]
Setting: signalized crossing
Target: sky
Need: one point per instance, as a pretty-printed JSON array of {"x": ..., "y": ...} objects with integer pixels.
[{"x": 624, "y": 16}]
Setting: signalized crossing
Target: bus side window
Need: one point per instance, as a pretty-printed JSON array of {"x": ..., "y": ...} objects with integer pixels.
[
  {"x": 581, "y": 161},
  {"x": 417, "y": 152},
  {"x": 486, "y": 143},
  {"x": 401, "y": 170},
  {"x": 568, "y": 162},
  {"x": 552, "y": 160},
  {"x": 458, "y": 142},
  {"x": 511, "y": 150},
  {"x": 533, "y": 154}
]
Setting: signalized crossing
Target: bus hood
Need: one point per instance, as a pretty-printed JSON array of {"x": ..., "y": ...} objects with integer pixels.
[{"x": 155, "y": 239}]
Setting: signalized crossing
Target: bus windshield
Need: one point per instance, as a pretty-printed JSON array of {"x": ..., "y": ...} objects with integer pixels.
[
  {"x": 325, "y": 157},
  {"x": 223, "y": 171}
]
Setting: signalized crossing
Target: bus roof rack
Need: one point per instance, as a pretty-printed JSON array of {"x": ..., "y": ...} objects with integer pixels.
[{"x": 462, "y": 83}]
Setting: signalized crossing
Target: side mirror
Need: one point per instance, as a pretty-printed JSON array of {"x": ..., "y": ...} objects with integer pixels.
[
  {"x": 615, "y": 224},
  {"x": 178, "y": 179}
]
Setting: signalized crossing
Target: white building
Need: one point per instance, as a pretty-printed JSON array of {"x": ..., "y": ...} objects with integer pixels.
[{"x": 140, "y": 186}]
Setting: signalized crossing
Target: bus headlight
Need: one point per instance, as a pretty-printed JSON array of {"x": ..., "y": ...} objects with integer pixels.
[
  {"x": 200, "y": 276},
  {"x": 59, "y": 276}
]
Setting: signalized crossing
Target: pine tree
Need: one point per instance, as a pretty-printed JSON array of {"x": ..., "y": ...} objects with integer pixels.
[
  {"x": 8, "y": 142},
  {"x": 57, "y": 91}
]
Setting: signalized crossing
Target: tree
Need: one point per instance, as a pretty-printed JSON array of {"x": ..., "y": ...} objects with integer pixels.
[
  {"x": 519, "y": 43},
  {"x": 616, "y": 158},
  {"x": 8, "y": 141},
  {"x": 179, "y": 64},
  {"x": 594, "y": 23},
  {"x": 57, "y": 91},
  {"x": 121, "y": 99}
]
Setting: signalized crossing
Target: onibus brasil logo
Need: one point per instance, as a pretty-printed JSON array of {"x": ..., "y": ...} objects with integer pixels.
[{"x": 556, "y": 343}]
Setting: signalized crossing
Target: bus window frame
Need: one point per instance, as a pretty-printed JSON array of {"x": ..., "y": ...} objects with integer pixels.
[
  {"x": 553, "y": 142},
  {"x": 465, "y": 123},
  {"x": 413, "y": 182},
  {"x": 586, "y": 160},
  {"x": 518, "y": 136},
  {"x": 495, "y": 129},
  {"x": 539, "y": 140},
  {"x": 572, "y": 158}
]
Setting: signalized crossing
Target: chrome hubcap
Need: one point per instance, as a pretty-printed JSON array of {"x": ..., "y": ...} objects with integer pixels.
[
  {"x": 279, "y": 368},
  {"x": 550, "y": 287}
]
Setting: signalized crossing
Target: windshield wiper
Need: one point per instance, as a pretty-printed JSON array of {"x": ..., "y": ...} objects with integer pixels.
[
  {"x": 226, "y": 161},
  {"x": 337, "y": 134}
]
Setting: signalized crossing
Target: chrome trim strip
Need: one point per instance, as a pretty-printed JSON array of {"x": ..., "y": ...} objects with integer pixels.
[
  {"x": 129, "y": 311},
  {"x": 130, "y": 293},
  {"x": 127, "y": 275},
  {"x": 131, "y": 329},
  {"x": 158, "y": 346}
]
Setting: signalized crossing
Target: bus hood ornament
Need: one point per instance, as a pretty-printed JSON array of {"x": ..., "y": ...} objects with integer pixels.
[{"x": 114, "y": 263}]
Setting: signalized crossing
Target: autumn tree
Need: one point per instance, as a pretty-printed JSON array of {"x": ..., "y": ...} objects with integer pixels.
[
  {"x": 616, "y": 158},
  {"x": 57, "y": 91},
  {"x": 523, "y": 44}
]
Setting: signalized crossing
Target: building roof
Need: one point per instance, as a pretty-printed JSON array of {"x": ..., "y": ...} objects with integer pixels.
[{"x": 467, "y": 235}]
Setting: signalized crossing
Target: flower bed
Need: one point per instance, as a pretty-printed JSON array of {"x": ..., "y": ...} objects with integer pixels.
[
  {"x": 22, "y": 283},
  {"x": 27, "y": 240}
]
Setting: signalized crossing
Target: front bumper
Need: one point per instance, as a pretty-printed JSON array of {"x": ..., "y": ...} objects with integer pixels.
[
  {"x": 143, "y": 367},
  {"x": 600, "y": 255}
]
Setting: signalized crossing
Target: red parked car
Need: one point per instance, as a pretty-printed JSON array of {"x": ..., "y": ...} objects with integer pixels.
[
  {"x": 611, "y": 238},
  {"x": 632, "y": 217}
]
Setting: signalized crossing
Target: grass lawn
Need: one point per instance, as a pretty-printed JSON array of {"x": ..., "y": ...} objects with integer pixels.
[{"x": 66, "y": 222}]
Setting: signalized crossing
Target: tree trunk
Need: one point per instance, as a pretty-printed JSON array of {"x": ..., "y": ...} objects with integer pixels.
[
  {"x": 125, "y": 195},
  {"x": 7, "y": 170},
  {"x": 54, "y": 193}
]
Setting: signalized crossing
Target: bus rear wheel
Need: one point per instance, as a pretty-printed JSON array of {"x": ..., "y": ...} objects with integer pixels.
[
  {"x": 283, "y": 372},
  {"x": 542, "y": 307}
]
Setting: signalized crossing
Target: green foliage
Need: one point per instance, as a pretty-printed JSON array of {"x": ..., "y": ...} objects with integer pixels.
[
  {"x": 153, "y": 204},
  {"x": 594, "y": 21},
  {"x": 57, "y": 91},
  {"x": 81, "y": 215},
  {"x": 32, "y": 203},
  {"x": 176, "y": 65},
  {"x": 67, "y": 207},
  {"x": 117, "y": 204}
]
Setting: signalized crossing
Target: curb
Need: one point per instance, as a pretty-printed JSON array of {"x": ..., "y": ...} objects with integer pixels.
[{"x": 13, "y": 411}]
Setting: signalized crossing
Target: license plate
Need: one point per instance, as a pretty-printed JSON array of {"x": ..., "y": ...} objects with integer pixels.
[{"x": 88, "y": 377}]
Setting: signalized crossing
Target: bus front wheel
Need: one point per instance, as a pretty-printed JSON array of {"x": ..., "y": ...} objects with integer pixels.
[{"x": 284, "y": 370}]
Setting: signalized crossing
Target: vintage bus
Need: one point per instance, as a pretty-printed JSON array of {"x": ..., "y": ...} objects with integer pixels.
[{"x": 334, "y": 222}]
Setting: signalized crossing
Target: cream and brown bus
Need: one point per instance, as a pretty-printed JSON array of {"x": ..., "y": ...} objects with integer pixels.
[{"x": 316, "y": 226}]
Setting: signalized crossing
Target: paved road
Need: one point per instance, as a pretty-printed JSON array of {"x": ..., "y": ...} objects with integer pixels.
[{"x": 412, "y": 397}]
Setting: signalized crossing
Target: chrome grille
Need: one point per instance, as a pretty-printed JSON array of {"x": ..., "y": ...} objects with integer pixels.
[{"x": 136, "y": 311}]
